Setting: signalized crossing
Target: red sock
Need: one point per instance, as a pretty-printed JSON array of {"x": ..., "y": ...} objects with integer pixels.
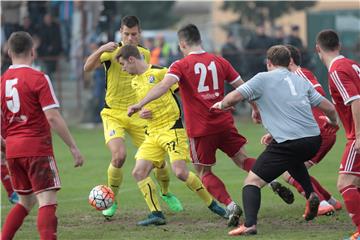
[
  {"x": 216, "y": 188},
  {"x": 248, "y": 163},
  {"x": 5, "y": 179},
  {"x": 320, "y": 188},
  {"x": 351, "y": 198},
  {"x": 13, "y": 221},
  {"x": 47, "y": 222},
  {"x": 298, "y": 187}
]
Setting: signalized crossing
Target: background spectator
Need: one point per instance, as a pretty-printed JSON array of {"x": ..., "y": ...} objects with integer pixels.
[{"x": 50, "y": 44}]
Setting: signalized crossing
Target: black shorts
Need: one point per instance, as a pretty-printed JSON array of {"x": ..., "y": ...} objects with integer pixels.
[{"x": 280, "y": 157}]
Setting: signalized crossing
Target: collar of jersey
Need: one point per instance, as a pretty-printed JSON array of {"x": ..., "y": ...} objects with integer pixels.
[
  {"x": 336, "y": 58},
  {"x": 19, "y": 66},
  {"x": 197, "y": 52}
]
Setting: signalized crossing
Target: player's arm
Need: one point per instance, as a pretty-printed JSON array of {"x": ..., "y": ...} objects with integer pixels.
[
  {"x": 229, "y": 101},
  {"x": 93, "y": 61},
  {"x": 157, "y": 91},
  {"x": 58, "y": 124},
  {"x": 355, "y": 108}
]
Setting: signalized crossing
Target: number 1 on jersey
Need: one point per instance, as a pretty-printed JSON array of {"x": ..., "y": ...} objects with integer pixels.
[{"x": 201, "y": 69}]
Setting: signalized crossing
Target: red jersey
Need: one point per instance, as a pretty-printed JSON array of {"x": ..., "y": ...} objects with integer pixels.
[
  {"x": 201, "y": 77},
  {"x": 309, "y": 76},
  {"x": 344, "y": 85},
  {"x": 25, "y": 94}
]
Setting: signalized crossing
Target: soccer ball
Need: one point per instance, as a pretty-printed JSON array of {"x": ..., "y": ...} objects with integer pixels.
[{"x": 101, "y": 197}]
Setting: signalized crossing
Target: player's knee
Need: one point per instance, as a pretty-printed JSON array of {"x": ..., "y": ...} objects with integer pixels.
[
  {"x": 181, "y": 174},
  {"x": 118, "y": 159},
  {"x": 27, "y": 201},
  {"x": 139, "y": 174}
]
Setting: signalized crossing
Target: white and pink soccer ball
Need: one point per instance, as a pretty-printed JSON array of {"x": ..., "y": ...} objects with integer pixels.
[{"x": 101, "y": 197}]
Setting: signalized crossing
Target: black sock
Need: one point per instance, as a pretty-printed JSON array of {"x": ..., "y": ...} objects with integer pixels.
[{"x": 251, "y": 201}]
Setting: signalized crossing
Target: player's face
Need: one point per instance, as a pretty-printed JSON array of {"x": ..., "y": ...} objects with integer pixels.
[
  {"x": 128, "y": 65},
  {"x": 130, "y": 35}
]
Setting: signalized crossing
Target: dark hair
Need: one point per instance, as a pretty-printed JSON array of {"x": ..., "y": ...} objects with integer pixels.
[
  {"x": 279, "y": 55},
  {"x": 20, "y": 43},
  {"x": 190, "y": 34},
  {"x": 130, "y": 21},
  {"x": 128, "y": 51},
  {"x": 328, "y": 40},
  {"x": 294, "y": 53}
]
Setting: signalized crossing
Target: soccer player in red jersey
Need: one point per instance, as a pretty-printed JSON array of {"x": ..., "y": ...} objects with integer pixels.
[
  {"x": 29, "y": 109},
  {"x": 344, "y": 84},
  {"x": 201, "y": 77},
  {"x": 328, "y": 203}
]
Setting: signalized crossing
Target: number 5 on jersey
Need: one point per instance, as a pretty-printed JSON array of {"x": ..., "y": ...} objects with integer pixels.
[{"x": 11, "y": 92}]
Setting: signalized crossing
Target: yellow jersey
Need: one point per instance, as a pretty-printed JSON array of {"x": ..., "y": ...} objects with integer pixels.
[
  {"x": 119, "y": 93},
  {"x": 166, "y": 113}
]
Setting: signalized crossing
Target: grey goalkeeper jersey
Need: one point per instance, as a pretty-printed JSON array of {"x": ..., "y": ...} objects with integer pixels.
[{"x": 284, "y": 100}]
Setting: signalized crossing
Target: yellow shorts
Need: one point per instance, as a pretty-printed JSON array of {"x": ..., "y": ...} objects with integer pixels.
[
  {"x": 174, "y": 142},
  {"x": 116, "y": 122}
]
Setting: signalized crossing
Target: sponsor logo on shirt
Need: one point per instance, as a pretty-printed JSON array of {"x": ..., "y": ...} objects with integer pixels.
[
  {"x": 210, "y": 96},
  {"x": 151, "y": 79}
]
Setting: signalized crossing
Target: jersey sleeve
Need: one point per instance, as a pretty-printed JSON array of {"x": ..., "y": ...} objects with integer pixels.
[
  {"x": 347, "y": 85},
  {"x": 46, "y": 94},
  {"x": 105, "y": 56},
  {"x": 175, "y": 70},
  {"x": 252, "y": 89},
  {"x": 232, "y": 76}
]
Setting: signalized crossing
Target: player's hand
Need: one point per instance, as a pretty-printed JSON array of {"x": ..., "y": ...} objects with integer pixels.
[
  {"x": 256, "y": 117},
  {"x": 78, "y": 158},
  {"x": 329, "y": 128},
  {"x": 145, "y": 114},
  {"x": 109, "y": 47},
  {"x": 133, "y": 109},
  {"x": 219, "y": 106},
  {"x": 266, "y": 139}
]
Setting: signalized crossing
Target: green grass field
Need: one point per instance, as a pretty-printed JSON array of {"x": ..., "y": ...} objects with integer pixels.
[{"x": 277, "y": 220}]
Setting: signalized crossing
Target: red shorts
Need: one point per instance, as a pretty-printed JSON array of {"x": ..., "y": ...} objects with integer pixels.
[
  {"x": 33, "y": 174},
  {"x": 350, "y": 162},
  {"x": 327, "y": 141},
  {"x": 203, "y": 149}
]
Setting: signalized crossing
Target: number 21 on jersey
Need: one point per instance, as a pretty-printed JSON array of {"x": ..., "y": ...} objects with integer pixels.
[
  {"x": 11, "y": 92},
  {"x": 201, "y": 69}
]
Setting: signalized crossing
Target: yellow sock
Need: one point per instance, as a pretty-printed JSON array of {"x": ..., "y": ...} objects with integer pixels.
[
  {"x": 163, "y": 178},
  {"x": 194, "y": 183},
  {"x": 148, "y": 189},
  {"x": 115, "y": 177}
]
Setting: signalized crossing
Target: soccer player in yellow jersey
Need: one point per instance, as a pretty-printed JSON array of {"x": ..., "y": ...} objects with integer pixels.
[
  {"x": 120, "y": 95},
  {"x": 165, "y": 134}
]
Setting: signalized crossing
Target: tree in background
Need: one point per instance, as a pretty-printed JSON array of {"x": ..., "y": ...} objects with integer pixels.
[{"x": 260, "y": 11}]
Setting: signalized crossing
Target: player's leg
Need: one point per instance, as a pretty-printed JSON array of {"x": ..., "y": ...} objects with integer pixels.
[
  {"x": 194, "y": 183},
  {"x": 16, "y": 216},
  {"x": 5, "y": 179},
  {"x": 348, "y": 182},
  {"x": 22, "y": 184},
  {"x": 136, "y": 128},
  {"x": 202, "y": 150},
  {"x": 148, "y": 156},
  {"x": 114, "y": 134},
  {"x": 47, "y": 220}
]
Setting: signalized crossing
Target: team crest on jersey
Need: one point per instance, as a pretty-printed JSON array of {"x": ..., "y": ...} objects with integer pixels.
[
  {"x": 151, "y": 79},
  {"x": 111, "y": 133}
]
